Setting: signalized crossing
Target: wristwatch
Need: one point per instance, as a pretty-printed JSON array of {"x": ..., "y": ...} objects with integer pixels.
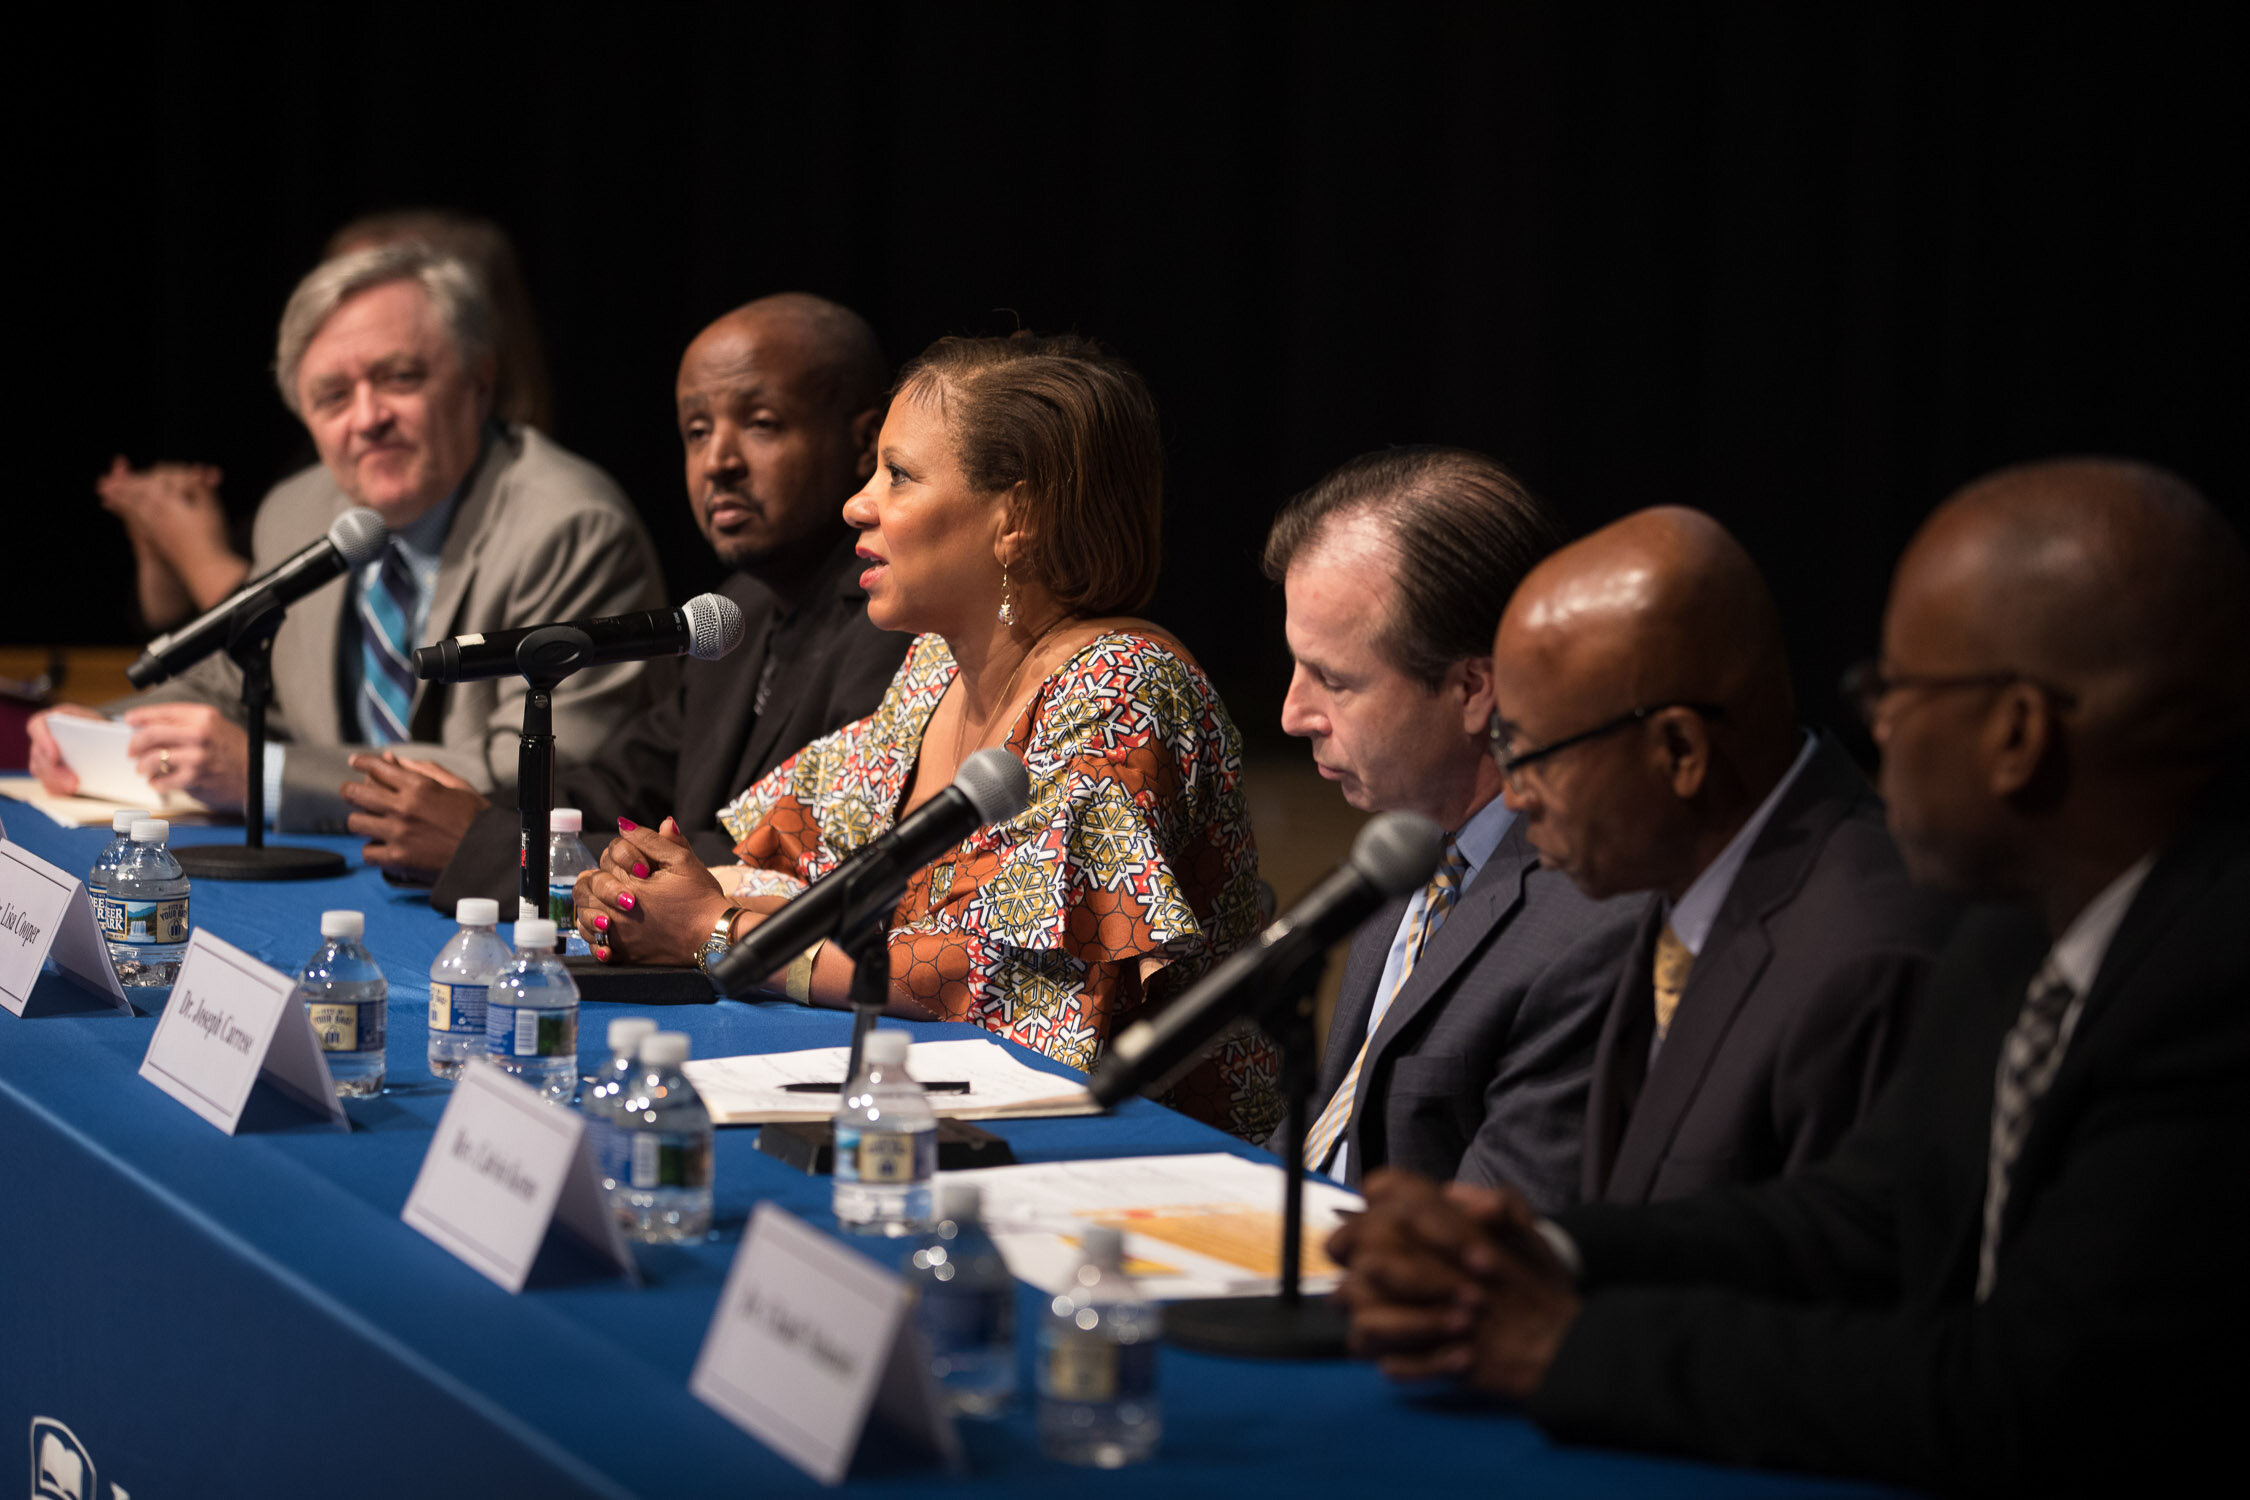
[{"x": 719, "y": 941}]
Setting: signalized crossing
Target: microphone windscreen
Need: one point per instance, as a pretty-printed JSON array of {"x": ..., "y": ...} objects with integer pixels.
[
  {"x": 1396, "y": 851},
  {"x": 359, "y": 535},
  {"x": 714, "y": 626},
  {"x": 995, "y": 783}
]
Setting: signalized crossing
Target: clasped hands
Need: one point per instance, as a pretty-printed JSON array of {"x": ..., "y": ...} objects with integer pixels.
[
  {"x": 650, "y": 900},
  {"x": 1453, "y": 1280}
]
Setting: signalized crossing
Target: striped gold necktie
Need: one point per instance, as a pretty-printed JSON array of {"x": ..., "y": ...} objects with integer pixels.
[
  {"x": 1437, "y": 900},
  {"x": 1669, "y": 976}
]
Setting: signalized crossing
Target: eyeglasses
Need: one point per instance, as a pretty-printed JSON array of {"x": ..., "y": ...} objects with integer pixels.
[
  {"x": 1513, "y": 765},
  {"x": 1866, "y": 685}
]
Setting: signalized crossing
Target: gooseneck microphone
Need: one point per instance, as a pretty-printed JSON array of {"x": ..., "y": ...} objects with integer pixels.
[
  {"x": 354, "y": 539},
  {"x": 707, "y": 627},
  {"x": 991, "y": 787},
  {"x": 1393, "y": 855}
]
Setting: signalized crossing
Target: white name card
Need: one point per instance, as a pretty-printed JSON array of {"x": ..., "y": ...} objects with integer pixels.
[
  {"x": 232, "y": 1020},
  {"x": 504, "y": 1166},
  {"x": 809, "y": 1340},
  {"x": 47, "y": 914}
]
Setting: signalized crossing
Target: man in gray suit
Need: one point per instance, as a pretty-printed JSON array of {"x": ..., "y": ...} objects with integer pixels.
[
  {"x": 1467, "y": 1018},
  {"x": 386, "y": 355},
  {"x": 1650, "y": 744}
]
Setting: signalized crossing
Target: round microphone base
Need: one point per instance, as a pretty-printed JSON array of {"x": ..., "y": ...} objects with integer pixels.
[
  {"x": 269, "y": 862},
  {"x": 1258, "y": 1327}
]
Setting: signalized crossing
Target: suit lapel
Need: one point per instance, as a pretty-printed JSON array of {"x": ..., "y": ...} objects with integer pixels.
[
  {"x": 1488, "y": 902},
  {"x": 464, "y": 538},
  {"x": 1620, "y": 1055},
  {"x": 1735, "y": 953},
  {"x": 1355, "y": 996},
  {"x": 722, "y": 715},
  {"x": 307, "y": 650}
]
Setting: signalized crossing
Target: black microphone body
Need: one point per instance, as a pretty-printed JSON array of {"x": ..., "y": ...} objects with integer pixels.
[
  {"x": 1393, "y": 854},
  {"x": 868, "y": 882},
  {"x": 613, "y": 638},
  {"x": 355, "y": 538}
]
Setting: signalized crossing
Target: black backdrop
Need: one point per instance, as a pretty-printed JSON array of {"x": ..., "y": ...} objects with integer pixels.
[{"x": 1805, "y": 268}]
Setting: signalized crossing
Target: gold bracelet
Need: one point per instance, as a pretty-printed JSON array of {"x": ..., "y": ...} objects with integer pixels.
[{"x": 797, "y": 982}]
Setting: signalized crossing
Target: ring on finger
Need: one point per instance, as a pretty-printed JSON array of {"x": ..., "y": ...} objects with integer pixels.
[{"x": 164, "y": 762}]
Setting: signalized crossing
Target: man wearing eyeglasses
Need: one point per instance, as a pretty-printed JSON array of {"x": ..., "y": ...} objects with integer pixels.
[
  {"x": 1647, "y": 736},
  {"x": 1466, "y": 1019},
  {"x": 2023, "y": 1274}
]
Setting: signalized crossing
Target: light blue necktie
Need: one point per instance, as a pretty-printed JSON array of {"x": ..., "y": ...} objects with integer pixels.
[{"x": 386, "y": 631}]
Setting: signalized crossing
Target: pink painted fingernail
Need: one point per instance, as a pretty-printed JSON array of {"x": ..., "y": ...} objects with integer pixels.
[
  {"x": 640, "y": 869},
  {"x": 601, "y": 923},
  {"x": 626, "y": 825},
  {"x": 601, "y": 955},
  {"x": 626, "y": 900}
]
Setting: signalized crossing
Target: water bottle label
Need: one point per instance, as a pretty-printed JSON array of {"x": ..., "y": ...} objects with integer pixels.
[
  {"x": 1091, "y": 1369},
  {"x": 664, "y": 1159},
  {"x": 347, "y": 1026},
  {"x": 526, "y": 1031},
  {"x": 147, "y": 922},
  {"x": 561, "y": 910},
  {"x": 885, "y": 1156},
  {"x": 109, "y": 915},
  {"x": 456, "y": 1007}
]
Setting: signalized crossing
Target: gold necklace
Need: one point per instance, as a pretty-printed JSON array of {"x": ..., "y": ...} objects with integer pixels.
[{"x": 1007, "y": 694}]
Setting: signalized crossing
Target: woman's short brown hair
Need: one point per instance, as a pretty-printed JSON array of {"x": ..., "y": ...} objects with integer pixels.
[{"x": 1074, "y": 426}]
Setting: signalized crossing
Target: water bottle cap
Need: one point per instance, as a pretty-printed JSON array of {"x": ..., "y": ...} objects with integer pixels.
[
  {"x": 565, "y": 820},
  {"x": 886, "y": 1047},
  {"x": 664, "y": 1049},
  {"x": 962, "y": 1202},
  {"x": 151, "y": 830},
  {"x": 1104, "y": 1246},
  {"x": 535, "y": 933},
  {"x": 477, "y": 911},
  {"x": 343, "y": 924},
  {"x": 625, "y": 1032},
  {"x": 124, "y": 818}
]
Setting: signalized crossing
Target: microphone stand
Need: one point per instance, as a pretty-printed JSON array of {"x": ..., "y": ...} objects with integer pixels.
[
  {"x": 545, "y": 658},
  {"x": 250, "y": 643},
  {"x": 1283, "y": 1326}
]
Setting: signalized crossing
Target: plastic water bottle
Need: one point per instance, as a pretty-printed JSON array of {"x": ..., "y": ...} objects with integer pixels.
[
  {"x": 345, "y": 995},
  {"x": 886, "y": 1144},
  {"x": 146, "y": 924},
  {"x": 1097, "y": 1363},
  {"x": 965, "y": 1305},
  {"x": 604, "y": 1094},
  {"x": 105, "y": 863},
  {"x": 531, "y": 1014},
  {"x": 567, "y": 857},
  {"x": 459, "y": 981},
  {"x": 665, "y": 1132}
]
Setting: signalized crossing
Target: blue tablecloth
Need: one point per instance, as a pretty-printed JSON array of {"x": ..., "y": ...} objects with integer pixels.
[{"x": 249, "y": 1315}]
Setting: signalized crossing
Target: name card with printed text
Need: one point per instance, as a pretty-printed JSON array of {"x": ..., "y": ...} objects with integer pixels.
[
  {"x": 45, "y": 914},
  {"x": 231, "y": 1021},
  {"x": 505, "y": 1166},
  {"x": 810, "y": 1340}
]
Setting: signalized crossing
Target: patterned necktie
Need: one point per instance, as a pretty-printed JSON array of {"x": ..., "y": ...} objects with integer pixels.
[
  {"x": 1437, "y": 899},
  {"x": 2028, "y": 1060},
  {"x": 386, "y": 637},
  {"x": 1669, "y": 977}
]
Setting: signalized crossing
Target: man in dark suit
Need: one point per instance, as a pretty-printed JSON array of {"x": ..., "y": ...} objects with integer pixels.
[
  {"x": 1468, "y": 1011},
  {"x": 1649, "y": 744},
  {"x": 2024, "y": 1272},
  {"x": 779, "y": 402}
]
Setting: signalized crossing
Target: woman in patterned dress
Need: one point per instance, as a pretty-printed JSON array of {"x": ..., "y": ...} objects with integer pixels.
[{"x": 1012, "y": 520}]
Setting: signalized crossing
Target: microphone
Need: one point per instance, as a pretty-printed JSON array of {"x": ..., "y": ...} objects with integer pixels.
[
  {"x": 1393, "y": 855},
  {"x": 355, "y": 538},
  {"x": 991, "y": 786},
  {"x": 707, "y": 627}
]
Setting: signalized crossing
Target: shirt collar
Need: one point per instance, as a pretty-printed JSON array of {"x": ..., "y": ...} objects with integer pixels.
[
  {"x": 2078, "y": 953},
  {"x": 1481, "y": 834},
  {"x": 423, "y": 539},
  {"x": 1692, "y": 915}
]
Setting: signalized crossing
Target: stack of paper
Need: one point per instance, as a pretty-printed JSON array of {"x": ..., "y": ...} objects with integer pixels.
[
  {"x": 1194, "y": 1226},
  {"x": 753, "y": 1090},
  {"x": 97, "y": 812}
]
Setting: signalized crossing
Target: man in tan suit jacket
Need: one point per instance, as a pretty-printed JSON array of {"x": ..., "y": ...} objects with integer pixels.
[{"x": 386, "y": 355}]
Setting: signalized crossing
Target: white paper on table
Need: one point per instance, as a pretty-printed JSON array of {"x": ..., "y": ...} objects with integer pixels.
[
  {"x": 749, "y": 1090},
  {"x": 99, "y": 812},
  {"x": 1207, "y": 1225}
]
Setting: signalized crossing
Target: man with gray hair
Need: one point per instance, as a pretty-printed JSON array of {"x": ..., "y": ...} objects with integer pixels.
[
  {"x": 1465, "y": 1027},
  {"x": 386, "y": 356}
]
